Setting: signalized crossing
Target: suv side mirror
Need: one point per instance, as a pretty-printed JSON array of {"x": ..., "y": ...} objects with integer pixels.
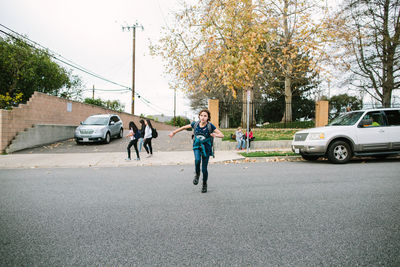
[
  {"x": 81, "y": 123},
  {"x": 365, "y": 123},
  {"x": 112, "y": 122}
]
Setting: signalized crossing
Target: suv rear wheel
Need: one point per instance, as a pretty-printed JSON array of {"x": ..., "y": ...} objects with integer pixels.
[
  {"x": 339, "y": 152},
  {"x": 121, "y": 133}
]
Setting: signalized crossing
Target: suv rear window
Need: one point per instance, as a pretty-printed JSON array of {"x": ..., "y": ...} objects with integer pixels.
[{"x": 393, "y": 117}]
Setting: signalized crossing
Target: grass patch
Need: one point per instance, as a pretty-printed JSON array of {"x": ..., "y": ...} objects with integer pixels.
[
  {"x": 293, "y": 124},
  {"x": 263, "y": 134},
  {"x": 267, "y": 154}
]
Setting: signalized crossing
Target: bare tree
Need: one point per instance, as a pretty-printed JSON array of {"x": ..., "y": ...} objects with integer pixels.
[{"x": 370, "y": 36}]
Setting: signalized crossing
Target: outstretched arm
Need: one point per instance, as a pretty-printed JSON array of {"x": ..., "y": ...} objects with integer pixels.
[
  {"x": 217, "y": 133},
  {"x": 179, "y": 129}
]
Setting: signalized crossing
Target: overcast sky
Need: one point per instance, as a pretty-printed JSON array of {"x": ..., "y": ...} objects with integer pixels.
[{"x": 90, "y": 34}]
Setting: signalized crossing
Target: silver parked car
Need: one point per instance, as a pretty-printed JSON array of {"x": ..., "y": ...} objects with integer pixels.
[{"x": 99, "y": 128}]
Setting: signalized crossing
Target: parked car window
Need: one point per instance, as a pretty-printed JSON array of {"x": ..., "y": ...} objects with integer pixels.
[
  {"x": 115, "y": 119},
  {"x": 376, "y": 118},
  {"x": 393, "y": 117},
  {"x": 96, "y": 121},
  {"x": 346, "y": 119}
]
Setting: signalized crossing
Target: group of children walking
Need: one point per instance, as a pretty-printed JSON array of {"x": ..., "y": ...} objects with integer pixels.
[{"x": 143, "y": 136}]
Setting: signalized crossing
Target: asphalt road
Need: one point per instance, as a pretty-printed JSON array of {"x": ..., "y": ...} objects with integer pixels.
[{"x": 258, "y": 214}]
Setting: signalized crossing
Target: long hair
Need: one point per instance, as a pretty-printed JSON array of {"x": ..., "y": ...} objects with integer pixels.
[
  {"x": 132, "y": 126},
  {"x": 149, "y": 123},
  {"x": 143, "y": 125},
  {"x": 206, "y": 111}
]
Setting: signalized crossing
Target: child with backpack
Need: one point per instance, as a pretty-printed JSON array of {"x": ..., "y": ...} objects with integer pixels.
[
  {"x": 204, "y": 132},
  {"x": 134, "y": 135},
  {"x": 148, "y": 135}
]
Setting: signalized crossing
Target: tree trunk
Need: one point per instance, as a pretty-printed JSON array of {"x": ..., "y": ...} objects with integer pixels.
[
  {"x": 287, "y": 116},
  {"x": 387, "y": 97},
  {"x": 224, "y": 120}
]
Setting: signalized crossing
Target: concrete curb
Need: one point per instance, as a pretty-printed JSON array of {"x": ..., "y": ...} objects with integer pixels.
[{"x": 116, "y": 159}]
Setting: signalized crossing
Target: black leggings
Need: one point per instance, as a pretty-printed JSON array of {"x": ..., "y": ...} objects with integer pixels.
[
  {"x": 134, "y": 144},
  {"x": 147, "y": 142}
]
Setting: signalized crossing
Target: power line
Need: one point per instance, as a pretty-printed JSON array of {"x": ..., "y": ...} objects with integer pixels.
[
  {"x": 53, "y": 55},
  {"x": 107, "y": 90},
  {"x": 74, "y": 65}
]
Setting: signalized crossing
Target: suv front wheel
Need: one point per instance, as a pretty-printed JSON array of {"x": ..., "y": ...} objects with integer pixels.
[
  {"x": 108, "y": 138},
  {"x": 339, "y": 152}
]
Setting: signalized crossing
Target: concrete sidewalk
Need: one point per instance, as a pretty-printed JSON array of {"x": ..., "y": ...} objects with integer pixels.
[{"x": 111, "y": 159}]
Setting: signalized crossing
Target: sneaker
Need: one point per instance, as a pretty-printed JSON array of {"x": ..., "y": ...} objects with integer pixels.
[
  {"x": 128, "y": 159},
  {"x": 204, "y": 188},
  {"x": 196, "y": 179},
  {"x": 137, "y": 159},
  {"x": 149, "y": 156}
]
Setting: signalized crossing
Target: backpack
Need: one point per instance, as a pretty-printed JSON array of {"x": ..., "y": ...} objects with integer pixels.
[
  {"x": 137, "y": 135},
  {"x": 210, "y": 131},
  {"x": 154, "y": 133}
]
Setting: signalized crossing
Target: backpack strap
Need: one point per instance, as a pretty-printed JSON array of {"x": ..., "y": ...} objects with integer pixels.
[
  {"x": 196, "y": 124},
  {"x": 212, "y": 139},
  {"x": 209, "y": 127}
]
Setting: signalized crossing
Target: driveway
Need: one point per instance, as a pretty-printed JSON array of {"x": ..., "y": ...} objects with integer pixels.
[{"x": 181, "y": 142}]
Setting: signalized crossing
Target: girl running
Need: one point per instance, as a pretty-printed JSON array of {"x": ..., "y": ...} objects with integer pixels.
[{"x": 204, "y": 131}]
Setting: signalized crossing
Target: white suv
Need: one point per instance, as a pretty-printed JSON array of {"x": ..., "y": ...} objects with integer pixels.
[{"x": 374, "y": 132}]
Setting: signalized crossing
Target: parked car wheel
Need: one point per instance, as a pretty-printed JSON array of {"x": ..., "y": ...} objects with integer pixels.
[
  {"x": 309, "y": 157},
  {"x": 339, "y": 152},
  {"x": 108, "y": 138},
  {"x": 78, "y": 143},
  {"x": 121, "y": 133}
]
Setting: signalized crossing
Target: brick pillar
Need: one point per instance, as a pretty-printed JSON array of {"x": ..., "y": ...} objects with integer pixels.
[
  {"x": 321, "y": 113},
  {"x": 213, "y": 107}
]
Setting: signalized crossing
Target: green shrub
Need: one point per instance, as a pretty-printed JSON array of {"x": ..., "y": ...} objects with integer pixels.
[
  {"x": 178, "y": 121},
  {"x": 261, "y": 134}
]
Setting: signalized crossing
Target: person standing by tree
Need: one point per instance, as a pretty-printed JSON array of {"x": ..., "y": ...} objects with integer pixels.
[
  {"x": 249, "y": 136},
  {"x": 134, "y": 136},
  {"x": 204, "y": 131}
]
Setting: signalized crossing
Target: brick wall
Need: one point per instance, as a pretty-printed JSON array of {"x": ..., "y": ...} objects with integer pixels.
[{"x": 46, "y": 109}]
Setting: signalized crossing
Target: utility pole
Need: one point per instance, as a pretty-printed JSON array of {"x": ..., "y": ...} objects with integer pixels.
[
  {"x": 133, "y": 27},
  {"x": 93, "y": 92}
]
